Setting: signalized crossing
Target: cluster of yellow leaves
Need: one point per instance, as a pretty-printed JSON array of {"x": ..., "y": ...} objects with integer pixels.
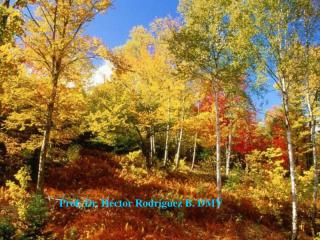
[{"x": 18, "y": 192}]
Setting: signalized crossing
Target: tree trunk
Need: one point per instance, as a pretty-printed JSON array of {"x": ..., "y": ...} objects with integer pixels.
[
  {"x": 165, "y": 159},
  {"x": 144, "y": 146},
  {"x": 195, "y": 138},
  {"x": 194, "y": 150},
  {"x": 285, "y": 100},
  {"x": 146, "y": 149},
  {"x": 228, "y": 153},
  {"x": 46, "y": 137},
  {"x": 153, "y": 143},
  {"x": 218, "y": 143},
  {"x": 177, "y": 157},
  {"x": 166, "y": 150},
  {"x": 151, "y": 146}
]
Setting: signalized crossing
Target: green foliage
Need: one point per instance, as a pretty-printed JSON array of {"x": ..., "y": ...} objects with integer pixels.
[
  {"x": 18, "y": 192},
  {"x": 135, "y": 158},
  {"x": 205, "y": 154},
  {"x": 183, "y": 165},
  {"x": 207, "y": 165},
  {"x": 180, "y": 215},
  {"x": 125, "y": 142},
  {"x": 7, "y": 230},
  {"x": 72, "y": 234},
  {"x": 138, "y": 172},
  {"x": 171, "y": 213},
  {"x": 234, "y": 178},
  {"x": 133, "y": 165},
  {"x": 132, "y": 156},
  {"x": 202, "y": 189},
  {"x": 171, "y": 195},
  {"x": 37, "y": 214},
  {"x": 26, "y": 153},
  {"x": 305, "y": 184},
  {"x": 32, "y": 210},
  {"x": 73, "y": 153}
]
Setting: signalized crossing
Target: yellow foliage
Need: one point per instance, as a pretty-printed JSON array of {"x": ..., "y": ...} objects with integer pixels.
[
  {"x": 268, "y": 185},
  {"x": 18, "y": 192}
]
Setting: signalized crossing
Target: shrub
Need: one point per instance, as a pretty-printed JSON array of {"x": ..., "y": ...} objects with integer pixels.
[
  {"x": 7, "y": 230},
  {"x": 183, "y": 165},
  {"x": 18, "y": 192},
  {"x": 37, "y": 214},
  {"x": 133, "y": 166},
  {"x": 234, "y": 179},
  {"x": 205, "y": 154},
  {"x": 202, "y": 189},
  {"x": 139, "y": 172},
  {"x": 305, "y": 184},
  {"x": 72, "y": 234},
  {"x": 207, "y": 165},
  {"x": 266, "y": 181},
  {"x": 275, "y": 187},
  {"x": 135, "y": 158},
  {"x": 73, "y": 153},
  {"x": 26, "y": 153},
  {"x": 32, "y": 210},
  {"x": 171, "y": 213}
]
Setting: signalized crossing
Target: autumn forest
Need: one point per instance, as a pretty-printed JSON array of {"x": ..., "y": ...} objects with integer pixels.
[{"x": 173, "y": 143}]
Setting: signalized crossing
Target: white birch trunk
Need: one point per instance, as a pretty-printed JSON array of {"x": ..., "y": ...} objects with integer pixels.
[
  {"x": 166, "y": 149},
  {"x": 165, "y": 159},
  {"x": 218, "y": 144},
  {"x": 194, "y": 150},
  {"x": 177, "y": 156},
  {"x": 294, "y": 201},
  {"x": 228, "y": 153},
  {"x": 151, "y": 146}
]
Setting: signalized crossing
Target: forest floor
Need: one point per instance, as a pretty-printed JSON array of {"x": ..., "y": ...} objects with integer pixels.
[{"x": 99, "y": 175}]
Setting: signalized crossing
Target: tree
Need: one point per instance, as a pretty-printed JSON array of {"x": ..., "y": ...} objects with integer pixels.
[
  {"x": 25, "y": 117},
  {"x": 312, "y": 101},
  {"x": 150, "y": 93},
  {"x": 274, "y": 40},
  {"x": 54, "y": 45},
  {"x": 310, "y": 16},
  {"x": 237, "y": 107},
  {"x": 209, "y": 44}
]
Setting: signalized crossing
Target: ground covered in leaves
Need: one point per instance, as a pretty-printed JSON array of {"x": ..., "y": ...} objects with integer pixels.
[{"x": 99, "y": 175}]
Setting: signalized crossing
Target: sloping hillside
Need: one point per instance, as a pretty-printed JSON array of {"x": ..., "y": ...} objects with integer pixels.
[{"x": 97, "y": 175}]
